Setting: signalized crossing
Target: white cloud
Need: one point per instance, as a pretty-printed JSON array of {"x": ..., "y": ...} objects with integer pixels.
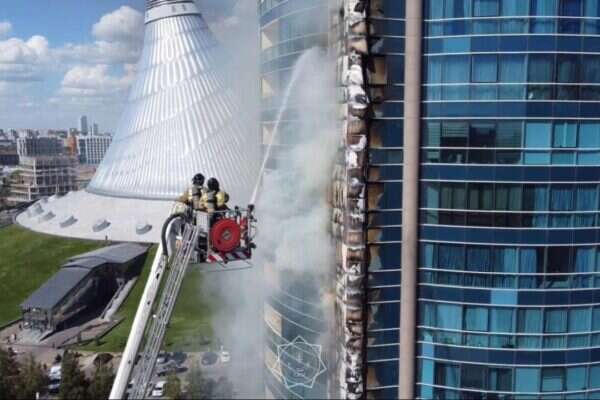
[
  {"x": 22, "y": 60},
  {"x": 18, "y": 51},
  {"x": 90, "y": 81},
  {"x": 100, "y": 52},
  {"x": 5, "y": 28},
  {"x": 124, "y": 24},
  {"x": 119, "y": 37}
]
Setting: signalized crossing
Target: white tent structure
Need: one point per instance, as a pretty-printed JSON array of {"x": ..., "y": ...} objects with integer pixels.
[{"x": 180, "y": 119}]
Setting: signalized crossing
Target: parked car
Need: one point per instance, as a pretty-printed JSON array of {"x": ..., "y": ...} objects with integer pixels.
[
  {"x": 53, "y": 386},
  {"x": 163, "y": 358},
  {"x": 225, "y": 356},
  {"x": 159, "y": 389},
  {"x": 55, "y": 372},
  {"x": 179, "y": 357},
  {"x": 170, "y": 368}
]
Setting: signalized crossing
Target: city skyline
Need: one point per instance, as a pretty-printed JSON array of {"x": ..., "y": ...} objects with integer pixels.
[{"x": 59, "y": 72}]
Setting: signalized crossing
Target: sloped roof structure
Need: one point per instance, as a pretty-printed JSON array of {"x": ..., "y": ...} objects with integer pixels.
[
  {"x": 76, "y": 270},
  {"x": 180, "y": 119}
]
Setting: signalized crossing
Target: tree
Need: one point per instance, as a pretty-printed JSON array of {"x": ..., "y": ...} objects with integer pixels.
[
  {"x": 9, "y": 374},
  {"x": 102, "y": 382},
  {"x": 32, "y": 380},
  {"x": 223, "y": 389},
  {"x": 201, "y": 388},
  {"x": 73, "y": 385},
  {"x": 173, "y": 388},
  {"x": 197, "y": 385}
]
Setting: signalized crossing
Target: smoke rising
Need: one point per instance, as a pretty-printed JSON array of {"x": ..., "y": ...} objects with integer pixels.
[
  {"x": 293, "y": 209},
  {"x": 293, "y": 214}
]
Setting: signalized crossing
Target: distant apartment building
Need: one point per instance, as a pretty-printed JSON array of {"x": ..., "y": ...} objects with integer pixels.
[
  {"x": 70, "y": 144},
  {"x": 8, "y": 156},
  {"x": 43, "y": 176},
  {"x": 83, "y": 125},
  {"x": 91, "y": 149},
  {"x": 95, "y": 129},
  {"x": 31, "y": 147}
]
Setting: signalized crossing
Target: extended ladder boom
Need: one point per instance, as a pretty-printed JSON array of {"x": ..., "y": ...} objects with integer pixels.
[
  {"x": 228, "y": 237},
  {"x": 158, "y": 324}
]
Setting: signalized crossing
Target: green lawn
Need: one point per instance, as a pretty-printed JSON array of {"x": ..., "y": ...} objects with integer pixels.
[
  {"x": 27, "y": 260},
  {"x": 190, "y": 321}
]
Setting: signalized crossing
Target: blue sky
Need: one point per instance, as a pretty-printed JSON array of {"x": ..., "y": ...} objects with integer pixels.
[{"x": 60, "y": 59}]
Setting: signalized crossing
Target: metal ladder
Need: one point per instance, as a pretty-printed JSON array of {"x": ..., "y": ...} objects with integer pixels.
[{"x": 177, "y": 267}]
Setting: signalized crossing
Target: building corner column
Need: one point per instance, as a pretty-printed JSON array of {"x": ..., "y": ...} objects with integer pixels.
[{"x": 410, "y": 197}]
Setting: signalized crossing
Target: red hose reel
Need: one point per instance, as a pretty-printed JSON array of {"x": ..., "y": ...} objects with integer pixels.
[{"x": 225, "y": 235}]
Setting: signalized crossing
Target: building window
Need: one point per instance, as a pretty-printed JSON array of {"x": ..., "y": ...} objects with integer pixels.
[
  {"x": 451, "y": 257},
  {"x": 541, "y": 68},
  {"x": 576, "y": 378},
  {"x": 589, "y": 135},
  {"x": 485, "y": 8},
  {"x": 456, "y": 8},
  {"x": 543, "y": 7},
  {"x": 530, "y": 320},
  {"x": 579, "y": 319},
  {"x": 527, "y": 380},
  {"x": 509, "y": 134},
  {"x": 447, "y": 375},
  {"x": 449, "y": 316},
  {"x": 501, "y": 320},
  {"x": 594, "y": 377},
  {"x": 592, "y": 8},
  {"x": 570, "y": 8},
  {"x": 514, "y": 8},
  {"x": 556, "y": 320},
  {"x": 565, "y": 135},
  {"x": 538, "y": 134},
  {"x": 512, "y": 68},
  {"x": 552, "y": 379},
  {"x": 456, "y": 69},
  {"x": 476, "y": 319},
  {"x": 473, "y": 376},
  {"x": 500, "y": 379},
  {"x": 505, "y": 259}
]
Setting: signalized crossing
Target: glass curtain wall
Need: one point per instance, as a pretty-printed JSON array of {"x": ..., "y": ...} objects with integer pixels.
[
  {"x": 384, "y": 192},
  {"x": 292, "y": 310},
  {"x": 509, "y": 299}
]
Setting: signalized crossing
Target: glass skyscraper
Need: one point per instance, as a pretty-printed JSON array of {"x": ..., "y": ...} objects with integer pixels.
[
  {"x": 508, "y": 230},
  {"x": 292, "y": 309},
  {"x": 482, "y": 197}
]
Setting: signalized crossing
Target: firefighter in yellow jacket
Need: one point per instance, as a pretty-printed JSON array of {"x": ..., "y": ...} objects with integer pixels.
[
  {"x": 214, "y": 198},
  {"x": 194, "y": 197}
]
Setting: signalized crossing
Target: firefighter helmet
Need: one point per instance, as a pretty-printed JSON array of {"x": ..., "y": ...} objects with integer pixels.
[
  {"x": 198, "y": 180},
  {"x": 213, "y": 184}
]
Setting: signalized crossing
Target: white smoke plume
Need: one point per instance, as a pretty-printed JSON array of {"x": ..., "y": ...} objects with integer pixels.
[{"x": 294, "y": 214}]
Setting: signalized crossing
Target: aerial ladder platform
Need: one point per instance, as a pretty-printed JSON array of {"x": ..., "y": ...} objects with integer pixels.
[{"x": 196, "y": 238}]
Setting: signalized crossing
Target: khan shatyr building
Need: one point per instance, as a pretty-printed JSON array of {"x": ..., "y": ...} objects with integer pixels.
[
  {"x": 180, "y": 119},
  {"x": 465, "y": 204}
]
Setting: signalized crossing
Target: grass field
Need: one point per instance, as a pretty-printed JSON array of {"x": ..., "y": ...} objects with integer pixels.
[
  {"x": 27, "y": 260},
  {"x": 190, "y": 321}
]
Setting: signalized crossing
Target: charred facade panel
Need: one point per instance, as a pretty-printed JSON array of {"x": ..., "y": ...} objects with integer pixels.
[
  {"x": 350, "y": 198},
  {"x": 367, "y": 196}
]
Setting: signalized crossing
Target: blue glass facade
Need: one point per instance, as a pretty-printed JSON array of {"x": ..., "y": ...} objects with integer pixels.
[
  {"x": 386, "y": 82},
  {"x": 293, "y": 309},
  {"x": 509, "y": 299}
]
